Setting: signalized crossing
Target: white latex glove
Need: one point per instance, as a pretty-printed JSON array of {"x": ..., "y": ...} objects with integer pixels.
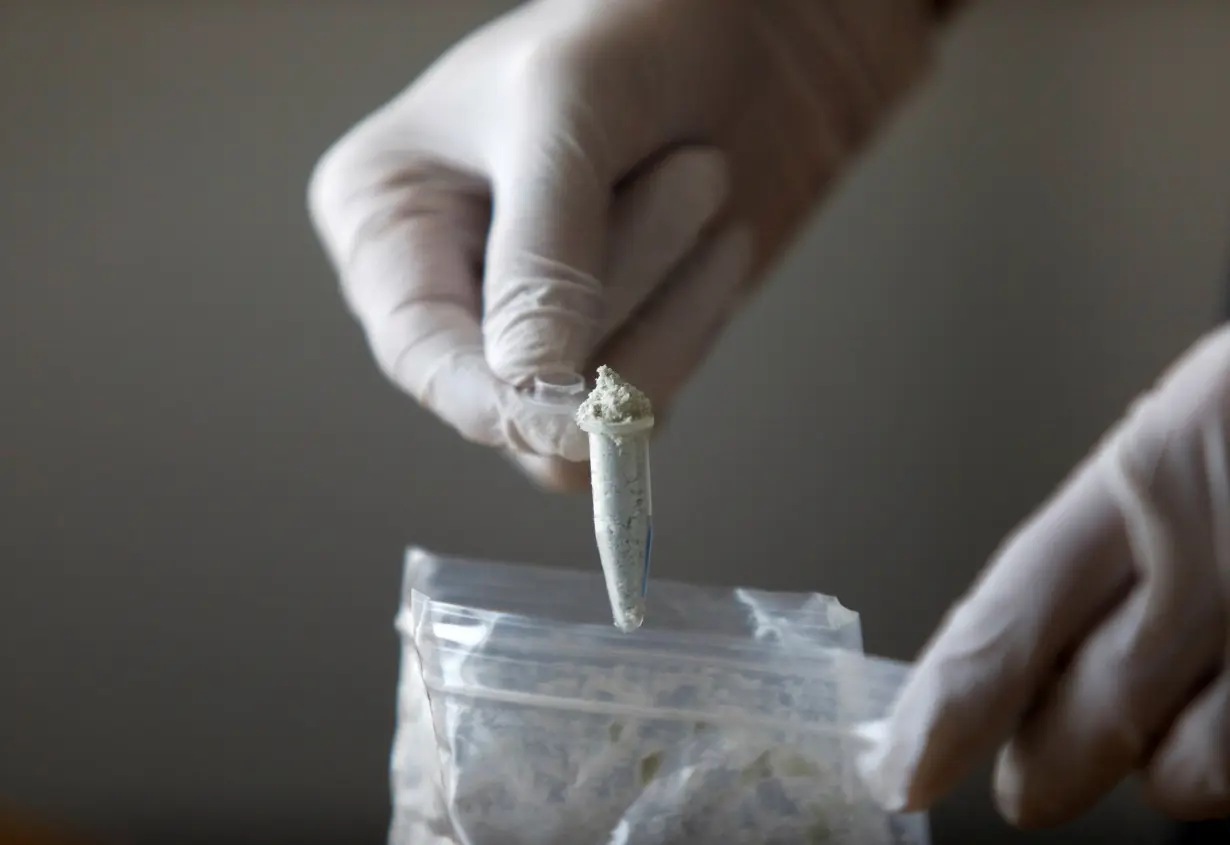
[
  {"x": 579, "y": 161},
  {"x": 1095, "y": 642}
]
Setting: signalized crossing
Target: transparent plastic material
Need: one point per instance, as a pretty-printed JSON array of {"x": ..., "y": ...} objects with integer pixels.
[
  {"x": 622, "y": 493},
  {"x": 525, "y": 717},
  {"x": 560, "y": 392},
  {"x": 623, "y": 514}
]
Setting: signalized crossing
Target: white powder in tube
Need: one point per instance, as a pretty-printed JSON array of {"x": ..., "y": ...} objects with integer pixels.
[{"x": 618, "y": 418}]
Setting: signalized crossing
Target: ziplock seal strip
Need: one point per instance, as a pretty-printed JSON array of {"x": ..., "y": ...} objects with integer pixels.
[
  {"x": 602, "y": 708},
  {"x": 605, "y": 642}
]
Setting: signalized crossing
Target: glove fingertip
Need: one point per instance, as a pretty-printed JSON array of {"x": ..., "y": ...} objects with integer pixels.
[
  {"x": 878, "y": 767},
  {"x": 462, "y": 391}
]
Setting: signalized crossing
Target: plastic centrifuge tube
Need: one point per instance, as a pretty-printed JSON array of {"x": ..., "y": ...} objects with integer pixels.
[{"x": 619, "y": 420}]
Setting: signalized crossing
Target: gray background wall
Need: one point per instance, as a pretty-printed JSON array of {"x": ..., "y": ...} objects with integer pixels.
[{"x": 205, "y": 486}]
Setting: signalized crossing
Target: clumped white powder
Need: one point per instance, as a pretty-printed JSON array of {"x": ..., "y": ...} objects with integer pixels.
[{"x": 613, "y": 400}]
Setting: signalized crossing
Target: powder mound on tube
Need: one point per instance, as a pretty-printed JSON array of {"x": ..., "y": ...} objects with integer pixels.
[{"x": 613, "y": 400}]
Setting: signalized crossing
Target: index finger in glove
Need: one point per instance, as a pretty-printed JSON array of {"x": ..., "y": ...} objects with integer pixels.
[
  {"x": 1050, "y": 616},
  {"x": 657, "y": 220},
  {"x": 405, "y": 234},
  {"x": 1050, "y": 583},
  {"x": 542, "y": 297},
  {"x": 1131, "y": 677}
]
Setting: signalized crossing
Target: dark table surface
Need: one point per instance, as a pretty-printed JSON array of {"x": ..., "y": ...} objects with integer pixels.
[
  {"x": 1121, "y": 819},
  {"x": 948, "y": 828},
  {"x": 966, "y": 817}
]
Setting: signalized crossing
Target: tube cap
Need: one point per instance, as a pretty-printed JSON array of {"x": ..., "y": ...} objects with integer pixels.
[{"x": 559, "y": 392}]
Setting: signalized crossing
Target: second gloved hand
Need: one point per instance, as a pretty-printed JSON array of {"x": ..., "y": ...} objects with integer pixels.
[
  {"x": 1095, "y": 644},
  {"x": 577, "y": 163}
]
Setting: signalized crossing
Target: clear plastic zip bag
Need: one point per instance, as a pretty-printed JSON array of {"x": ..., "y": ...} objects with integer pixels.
[{"x": 525, "y": 717}]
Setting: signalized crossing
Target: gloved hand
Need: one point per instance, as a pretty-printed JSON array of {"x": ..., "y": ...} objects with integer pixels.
[
  {"x": 1095, "y": 643},
  {"x": 580, "y": 161}
]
